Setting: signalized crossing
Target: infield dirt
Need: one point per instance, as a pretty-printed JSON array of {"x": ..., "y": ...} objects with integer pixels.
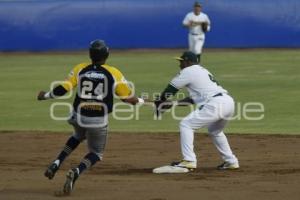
[{"x": 270, "y": 168}]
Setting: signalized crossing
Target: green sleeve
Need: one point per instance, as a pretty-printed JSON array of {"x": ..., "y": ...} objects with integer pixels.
[{"x": 168, "y": 92}]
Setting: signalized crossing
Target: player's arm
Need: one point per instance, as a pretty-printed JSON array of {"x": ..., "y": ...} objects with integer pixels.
[
  {"x": 162, "y": 103},
  {"x": 64, "y": 87},
  {"x": 184, "y": 102},
  {"x": 56, "y": 92},
  {"x": 122, "y": 88},
  {"x": 134, "y": 100},
  {"x": 169, "y": 91},
  {"x": 125, "y": 94},
  {"x": 187, "y": 22},
  {"x": 180, "y": 81},
  {"x": 206, "y": 25}
]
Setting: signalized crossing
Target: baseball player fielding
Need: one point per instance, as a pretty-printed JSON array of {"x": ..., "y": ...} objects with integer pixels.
[{"x": 214, "y": 109}]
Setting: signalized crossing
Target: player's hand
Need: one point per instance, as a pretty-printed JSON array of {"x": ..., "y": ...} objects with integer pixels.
[
  {"x": 41, "y": 96},
  {"x": 161, "y": 107},
  {"x": 166, "y": 106},
  {"x": 192, "y": 23}
]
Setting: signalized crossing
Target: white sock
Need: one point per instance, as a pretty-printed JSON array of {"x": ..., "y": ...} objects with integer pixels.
[{"x": 57, "y": 162}]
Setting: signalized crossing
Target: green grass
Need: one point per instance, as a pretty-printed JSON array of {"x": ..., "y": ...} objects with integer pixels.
[{"x": 271, "y": 77}]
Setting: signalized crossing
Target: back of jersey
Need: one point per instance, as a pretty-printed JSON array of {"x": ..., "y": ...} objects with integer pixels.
[
  {"x": 199, "y": 82},
  {"x": 203, "y": 84},
  {"x": 94, "y": 97}
]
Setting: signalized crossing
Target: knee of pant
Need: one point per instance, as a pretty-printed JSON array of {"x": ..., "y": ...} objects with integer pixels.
[
  {"x": 79, "y": 137},
  {"x": 184, "y": 124},
  {"x": 214, "y": 133},
  {"x": 95, "y": 151}
]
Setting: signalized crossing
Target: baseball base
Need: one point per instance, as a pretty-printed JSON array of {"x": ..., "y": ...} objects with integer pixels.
[{"x": 170, "y": 170}]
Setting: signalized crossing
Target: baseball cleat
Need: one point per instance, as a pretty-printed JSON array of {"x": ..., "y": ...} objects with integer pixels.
[
  {"x": 51, "y": 170},
  {"x": 185, "y": 164},
  {"x": 228, "y": 166},
  {"x": 71, "y": 176}
]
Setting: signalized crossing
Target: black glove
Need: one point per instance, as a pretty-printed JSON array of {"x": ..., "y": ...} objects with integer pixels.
[
  {"x": 41, "y": 96},
  {"x": 204, "y": 26},
  {"x": 157, "y": 105},
  {"x": 162, "y": 106}
]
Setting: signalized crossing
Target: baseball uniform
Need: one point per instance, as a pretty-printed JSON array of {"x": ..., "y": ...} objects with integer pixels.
[
  {"x": 97, "y": 84},
  {"x": 96, "y": 87},
  {"x": 215, "y": 107},
  {"x": 196, "y": 35}
]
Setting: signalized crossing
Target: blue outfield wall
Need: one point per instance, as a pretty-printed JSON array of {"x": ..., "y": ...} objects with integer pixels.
[{"x": 70, "y": 25}]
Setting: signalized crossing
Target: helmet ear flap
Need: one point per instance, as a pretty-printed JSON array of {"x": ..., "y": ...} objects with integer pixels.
[{"x": 98, "y": 50}]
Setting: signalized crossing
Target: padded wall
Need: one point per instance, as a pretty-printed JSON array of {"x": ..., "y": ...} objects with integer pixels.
[{"x": 70, "y": 25}]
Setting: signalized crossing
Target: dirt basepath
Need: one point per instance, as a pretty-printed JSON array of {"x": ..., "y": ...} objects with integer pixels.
[{"x": 270, "y": 168}]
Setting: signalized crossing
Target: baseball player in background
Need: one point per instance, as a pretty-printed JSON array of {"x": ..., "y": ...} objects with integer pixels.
[
  {"x": 214, "y": 109},
  {"x": 198, "y": 24},
  {"x": 97, "y": 83}
]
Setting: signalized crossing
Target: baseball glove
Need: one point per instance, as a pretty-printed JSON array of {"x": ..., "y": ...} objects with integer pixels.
[
  {"x": 204, "y": 26},
  {"x": 162, "y": 106}
]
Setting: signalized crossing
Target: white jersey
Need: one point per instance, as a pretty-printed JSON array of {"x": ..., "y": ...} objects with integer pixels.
[
  {"x": 197, "y": 29},
  {"x": 199, "y": 82}
]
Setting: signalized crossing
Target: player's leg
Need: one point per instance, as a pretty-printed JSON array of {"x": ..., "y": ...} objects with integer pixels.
[
  {"x": 199, "y": 42},
  {"x": 187, "y": 138},
  {"x": 71, "y": 144},
  {"x": 78, "y": 136},
  {"x": 221, "y": 143},
  {"x": 96, "y": 139},
  {"x": 195, "y": 120},
  {"x": 225, "y": 110},
  {"x": 191, "y": 42}
]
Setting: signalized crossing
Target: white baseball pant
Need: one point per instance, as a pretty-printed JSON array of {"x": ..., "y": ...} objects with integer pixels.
[
  {"x": 213, "y": 115},
  {"x": 196, "y": 43}
]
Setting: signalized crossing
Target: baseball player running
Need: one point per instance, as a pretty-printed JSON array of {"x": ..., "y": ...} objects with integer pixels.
[
  {"x": 214, "y": 108},
  {"x": 198, "y": 24},
  {"x": 97, "y": 83}
]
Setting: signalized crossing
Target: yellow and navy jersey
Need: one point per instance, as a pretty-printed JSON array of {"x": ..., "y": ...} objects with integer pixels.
[{"x": 96, "y": 87}]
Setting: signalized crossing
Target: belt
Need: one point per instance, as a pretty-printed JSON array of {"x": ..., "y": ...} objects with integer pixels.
[
  {"x": 218, "y": 95},
  {"x": 195, "y": 33}
]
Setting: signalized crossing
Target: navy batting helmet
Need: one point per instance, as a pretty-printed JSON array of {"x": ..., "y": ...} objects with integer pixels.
[{"x": 98, "y": 50}]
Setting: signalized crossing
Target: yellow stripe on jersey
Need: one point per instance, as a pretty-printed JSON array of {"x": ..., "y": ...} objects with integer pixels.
[
  {"x": 72, "y": 79},
  {"x": 122, "y": 88}
]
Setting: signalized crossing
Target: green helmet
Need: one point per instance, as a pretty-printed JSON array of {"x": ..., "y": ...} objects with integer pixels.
[{"x": 98, "y": 50}]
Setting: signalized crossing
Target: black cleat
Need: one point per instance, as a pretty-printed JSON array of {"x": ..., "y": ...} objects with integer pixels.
[
  {"x": 228, "y": 166},
  {"x": 71, "y": 176},
  {"x": 51, "y": 170},
  {"x": 185, "y": 164}
]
